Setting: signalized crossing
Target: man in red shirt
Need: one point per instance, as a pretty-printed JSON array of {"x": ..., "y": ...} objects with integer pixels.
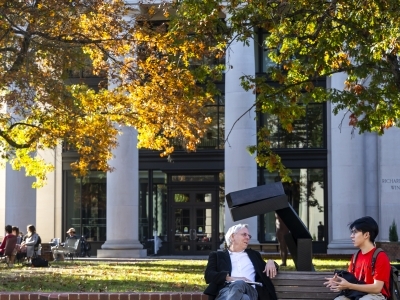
[
  {"x": 4, "y": 242},
  {"x": 374, "y": 283}
]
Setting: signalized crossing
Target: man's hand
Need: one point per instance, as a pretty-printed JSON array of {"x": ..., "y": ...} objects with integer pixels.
[
  {"x": 336, "y": 283},
  {"x": 270, "y": 269}
]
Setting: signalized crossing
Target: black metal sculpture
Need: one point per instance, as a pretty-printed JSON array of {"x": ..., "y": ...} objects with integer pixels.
[{"x": 271, "y": 197}]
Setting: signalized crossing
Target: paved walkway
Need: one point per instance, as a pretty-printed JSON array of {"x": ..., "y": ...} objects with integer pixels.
[{"x": 147, "y": 258}]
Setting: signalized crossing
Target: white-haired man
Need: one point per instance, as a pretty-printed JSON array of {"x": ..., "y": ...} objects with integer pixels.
[{"x": 228, "y": 271}]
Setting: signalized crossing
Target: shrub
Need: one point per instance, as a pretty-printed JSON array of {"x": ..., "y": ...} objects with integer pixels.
[{"x": 393, "y": 237}]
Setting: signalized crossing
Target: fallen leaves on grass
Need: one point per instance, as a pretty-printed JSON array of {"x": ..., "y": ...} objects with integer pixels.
[{"x": 143, "y": 276}]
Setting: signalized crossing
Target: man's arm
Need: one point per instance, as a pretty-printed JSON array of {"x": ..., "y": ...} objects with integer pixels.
[
  {"x": 271, "y": 268},
  {"x": 343, "y": 284},
  {"x": 3, "y": 243},
  {"x": 211, "y": 273}
]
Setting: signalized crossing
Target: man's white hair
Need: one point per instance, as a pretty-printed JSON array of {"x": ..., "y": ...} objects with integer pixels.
[{"x": 232, "y": 230}]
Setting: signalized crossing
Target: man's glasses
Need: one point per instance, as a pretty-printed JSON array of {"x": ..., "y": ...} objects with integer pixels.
[
  {"x": 245, "y": 234},
  {"x": 353, "y": 231}
]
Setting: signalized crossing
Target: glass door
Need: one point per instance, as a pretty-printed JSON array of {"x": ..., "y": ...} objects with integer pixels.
[{"x": 193, "y": 228}]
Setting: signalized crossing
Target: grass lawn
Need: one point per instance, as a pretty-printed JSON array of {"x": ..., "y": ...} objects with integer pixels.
[{"x": 143, "y": 276}]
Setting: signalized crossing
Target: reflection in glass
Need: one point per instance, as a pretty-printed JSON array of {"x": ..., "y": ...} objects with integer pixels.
[
  {"x": 183, "y": 248},
  {"x": 86, "y": 205},
  {"x": 144, "y": 208},
  {"x": 221, "y": 209},
  {"x": 203, "y": 197},
  {"x": 181, "y": 198},
  {"x": 305, "y": 194},
  {"x": 307, "y": 131},
  {"x": 193, "y": 178},
  {"x": 160, "y": 204},
  {"x": 204, "y": 228},
  {"x": 152, "y": 210},
  {"x": 215, "y": 134},
  {"x": 182, "y": 225}
]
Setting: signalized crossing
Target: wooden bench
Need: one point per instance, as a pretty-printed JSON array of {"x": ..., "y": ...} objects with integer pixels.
[
  {"x": 259, "y": 247},
  {"x": 302, "y": 285}
]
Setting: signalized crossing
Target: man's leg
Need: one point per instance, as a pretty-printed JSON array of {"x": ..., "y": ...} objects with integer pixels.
[
  {"x": 373, "y": 297},
  {"x": 57, "y": 251},
  {"x": 342, "y": 298},
  {"x": 238, "y": 290}
]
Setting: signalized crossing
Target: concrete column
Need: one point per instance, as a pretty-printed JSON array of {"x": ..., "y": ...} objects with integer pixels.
[
  {"x": 388, "y": 182},
  {"x": 371, "y": 175},
  {"x": 347, "y": 177},
  {"x": 123, "y": 200},
  {"x": 17, "y": 199},
  {"x": 49, "y": 198},
  {"x": 240, "y": 166}
]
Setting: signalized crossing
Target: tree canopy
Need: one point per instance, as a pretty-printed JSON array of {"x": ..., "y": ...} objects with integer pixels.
[
  {"x": 311, "y": 39},
  {"x": 143, "y": 70},
  {"x": 156, "y": 76}
]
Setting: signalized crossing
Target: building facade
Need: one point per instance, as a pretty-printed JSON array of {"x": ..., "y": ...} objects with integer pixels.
[{"x": 176, "y": 206}]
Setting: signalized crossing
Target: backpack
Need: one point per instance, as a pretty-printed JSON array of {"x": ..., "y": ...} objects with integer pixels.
[
  {"x": 394, "y": 275},
  {"x": 39, "y": 262}
]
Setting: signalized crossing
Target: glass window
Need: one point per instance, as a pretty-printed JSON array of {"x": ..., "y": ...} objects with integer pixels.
[
  {"x": 214, "y": 137},
  {"x": 182, "y": 198},
  {"x": 144, "y": 213},
  {"x": 193, "y": 178},
  {"x": 221, "y": 217},
  {"x": 86, "y": 205},
  {"x": 306, "y": 195},
  {"x": 160, "y": 205},
  {"x": 152, "y": 213},
  {"x": 308, "y": 132},
  {"x": 263, "y": 62}
]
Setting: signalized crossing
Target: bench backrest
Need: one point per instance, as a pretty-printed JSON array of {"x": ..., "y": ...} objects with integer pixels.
[{"x": 302, "y": 285}]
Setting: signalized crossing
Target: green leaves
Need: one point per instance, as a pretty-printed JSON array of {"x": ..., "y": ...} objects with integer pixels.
[{"x": 308, "y": 40}]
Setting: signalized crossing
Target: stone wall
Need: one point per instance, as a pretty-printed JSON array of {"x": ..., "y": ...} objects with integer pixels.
[
  {"x": 392, "y": 249},
  {"x": 102, "y": 296}
]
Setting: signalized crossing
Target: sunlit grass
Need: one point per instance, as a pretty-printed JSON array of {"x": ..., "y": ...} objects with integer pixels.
[{"x": 143, "y": 276}]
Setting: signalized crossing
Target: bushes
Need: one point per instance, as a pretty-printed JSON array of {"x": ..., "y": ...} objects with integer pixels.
[{"x": 393, "y": 237}]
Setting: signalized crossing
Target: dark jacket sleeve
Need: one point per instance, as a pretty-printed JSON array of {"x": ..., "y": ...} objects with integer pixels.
[
  {"x": 213, "y": 272},
  {"x": 267, "y": 291}
]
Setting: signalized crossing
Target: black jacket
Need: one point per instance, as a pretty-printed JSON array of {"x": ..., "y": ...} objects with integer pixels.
[{"x": 219, "y": 265}]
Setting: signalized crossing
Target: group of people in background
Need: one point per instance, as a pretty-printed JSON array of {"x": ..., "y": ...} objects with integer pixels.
[{"x": 26, "y": 244}]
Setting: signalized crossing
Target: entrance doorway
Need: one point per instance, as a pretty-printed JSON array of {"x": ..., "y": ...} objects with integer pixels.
[{"x": 193, "y": 221}]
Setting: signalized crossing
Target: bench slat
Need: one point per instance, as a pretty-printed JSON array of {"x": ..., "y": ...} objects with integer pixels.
[
  {"x": 305, "y": 289},
  {"x": 288, "y": 282},
  {"x": 290, "y": 285},
  {"x": 307, "y": 295},
  {"x": 317, "y": 276}
]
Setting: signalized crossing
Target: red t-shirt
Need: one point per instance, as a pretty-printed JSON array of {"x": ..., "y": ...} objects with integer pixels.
[{"x": 363, "y": 269}]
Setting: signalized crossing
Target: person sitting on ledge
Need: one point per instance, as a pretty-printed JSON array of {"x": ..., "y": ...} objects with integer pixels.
[
  {"x": 58, "y": 250},
  {"x": 367, "y": 284},
  {"x": 238, "y": 273}
]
